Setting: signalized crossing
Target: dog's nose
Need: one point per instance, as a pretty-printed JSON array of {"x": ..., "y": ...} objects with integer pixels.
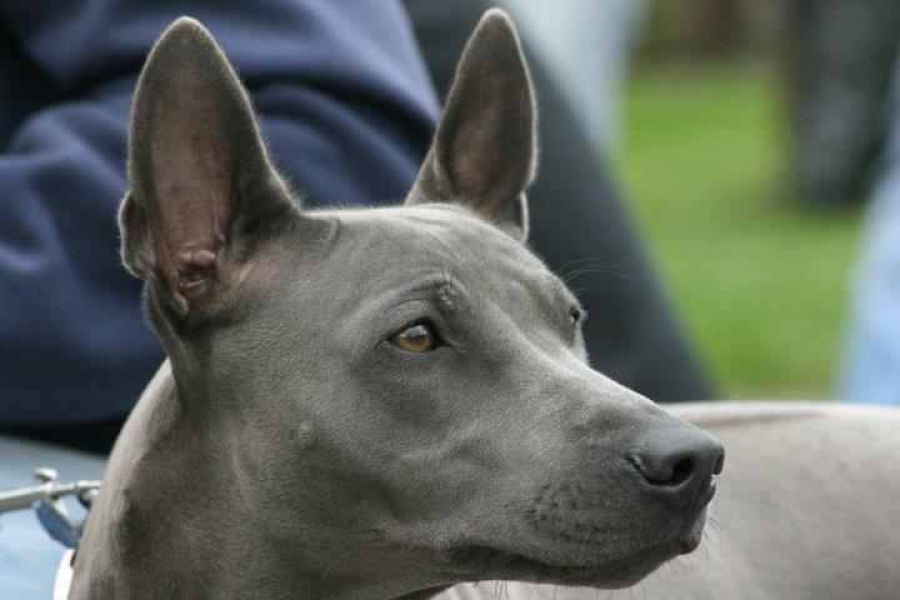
[{"x": 678, "y": 461}]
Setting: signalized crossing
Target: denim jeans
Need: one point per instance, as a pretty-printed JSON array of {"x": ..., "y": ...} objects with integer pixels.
[
  {"x": 871, "y": 369},
  {"x": 588, "y": 44},
  {"x": 28, "y": 557}
]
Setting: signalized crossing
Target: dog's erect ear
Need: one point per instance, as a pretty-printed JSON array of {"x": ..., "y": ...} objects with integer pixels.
[
  {"x": 484, "y": 153},
  {"x": 202, "y": 189}
]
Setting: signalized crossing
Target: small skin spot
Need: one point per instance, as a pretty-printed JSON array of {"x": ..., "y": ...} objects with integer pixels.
[{"x": 305, "y": 435}]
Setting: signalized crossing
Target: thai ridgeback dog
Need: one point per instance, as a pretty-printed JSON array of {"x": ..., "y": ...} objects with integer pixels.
[{"x": 379, "y": 403}]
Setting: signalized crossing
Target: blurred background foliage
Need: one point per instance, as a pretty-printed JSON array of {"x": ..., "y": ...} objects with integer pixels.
[{"x": 761, "y": 281}]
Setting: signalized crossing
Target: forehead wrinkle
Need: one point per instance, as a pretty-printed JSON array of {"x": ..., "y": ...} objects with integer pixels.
[
  {"x": 439, "y": 286},
  {"x": 544, "y": 289},
  {"x": 425, "y": 261},
  {"x": 467, "y": 250},
  {"x": 467, "y": 242}
]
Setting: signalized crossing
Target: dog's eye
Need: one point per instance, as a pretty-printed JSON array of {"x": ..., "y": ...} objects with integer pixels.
[{"x": 417, "y": 338}]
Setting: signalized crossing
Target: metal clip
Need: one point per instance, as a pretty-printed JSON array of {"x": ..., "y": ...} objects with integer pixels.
[{"x": 45, "y": 500}]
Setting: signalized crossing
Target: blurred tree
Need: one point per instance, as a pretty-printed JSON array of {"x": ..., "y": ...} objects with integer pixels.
[
  {"x": 838, "y": 58},
  {"x": 701, "y": 30},
  {"x": 717, "y": 27}
]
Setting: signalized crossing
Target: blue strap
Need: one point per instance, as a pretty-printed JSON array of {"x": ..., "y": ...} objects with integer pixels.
[{"x": 57, "y": 523}]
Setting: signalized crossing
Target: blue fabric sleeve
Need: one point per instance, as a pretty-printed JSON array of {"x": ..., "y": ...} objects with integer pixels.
[{"x": 346, "y": 108}]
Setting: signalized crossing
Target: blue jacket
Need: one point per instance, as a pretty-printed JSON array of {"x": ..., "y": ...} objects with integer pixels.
[{"x": 345, "y": 105}]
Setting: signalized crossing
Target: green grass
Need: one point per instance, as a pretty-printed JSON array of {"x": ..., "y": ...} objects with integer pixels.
[{"x": 761, "y": 284}]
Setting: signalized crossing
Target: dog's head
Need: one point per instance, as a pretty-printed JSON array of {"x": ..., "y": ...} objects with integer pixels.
[{"x": 402, "y": 394}]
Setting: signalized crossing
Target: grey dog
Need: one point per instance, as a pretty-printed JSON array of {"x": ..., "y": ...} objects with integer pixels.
[{"x": 368, "y": 403}]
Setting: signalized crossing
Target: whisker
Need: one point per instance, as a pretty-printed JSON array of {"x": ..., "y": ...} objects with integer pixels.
[{"x": 598, "y": 269}]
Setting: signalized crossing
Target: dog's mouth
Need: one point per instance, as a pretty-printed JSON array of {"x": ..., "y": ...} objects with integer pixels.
[{"x": 493, "y": 563}]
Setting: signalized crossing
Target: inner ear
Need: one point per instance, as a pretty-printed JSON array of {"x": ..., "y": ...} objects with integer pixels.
[
  {"x": 484, "y": 153},
  {"x": 198, "y": 169},
  {"x": 190, "y": 164}
]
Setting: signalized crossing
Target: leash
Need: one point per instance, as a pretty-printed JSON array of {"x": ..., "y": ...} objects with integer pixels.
[{"x": 46, "y": 500}]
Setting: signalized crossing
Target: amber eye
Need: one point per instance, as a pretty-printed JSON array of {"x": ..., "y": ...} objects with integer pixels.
[{"x": 417, "y": 338}]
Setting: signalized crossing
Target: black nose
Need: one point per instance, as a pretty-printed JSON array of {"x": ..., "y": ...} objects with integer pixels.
[{"x": 678, "y": 462}]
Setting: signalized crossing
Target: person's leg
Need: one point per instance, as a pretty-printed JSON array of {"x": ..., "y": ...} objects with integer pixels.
[
  {"x": 871, "y": 371},
  {"x": 28, "y": 557},
  {"x": 587, "y": 44},
  {"x": 581, "y": 229}
]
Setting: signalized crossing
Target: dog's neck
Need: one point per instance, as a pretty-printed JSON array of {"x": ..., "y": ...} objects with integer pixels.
[{"x": 179, "y": 511}]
